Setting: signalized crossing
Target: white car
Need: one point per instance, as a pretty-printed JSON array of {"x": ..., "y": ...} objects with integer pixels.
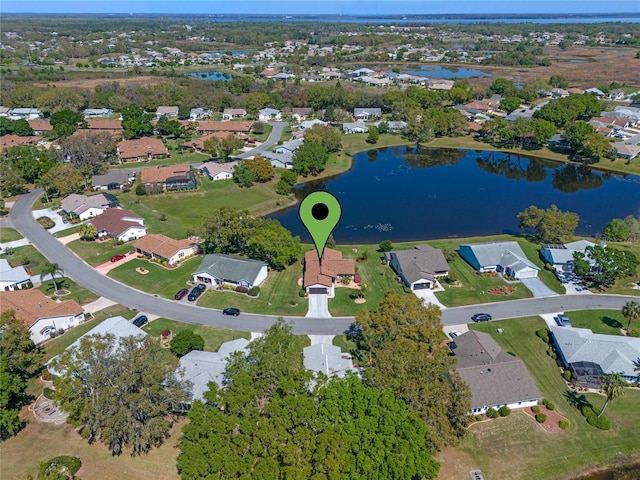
[{"x": 454, "y": 333}]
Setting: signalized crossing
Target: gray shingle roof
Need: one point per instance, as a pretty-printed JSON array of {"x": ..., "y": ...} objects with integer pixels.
[
  {"x": 494, "y": 253},
  {"x": 422, "y": 262},
  {"x": 327, "y": 359},
  {"x": 233, "y": 269},
  {"x": 562, "y": 254},
  {"x": 120, "y": 177}
]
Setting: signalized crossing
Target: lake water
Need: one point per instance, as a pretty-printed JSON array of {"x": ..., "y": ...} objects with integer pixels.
[
  {"x": 447, "y": 72},
  {"x": 211, "y": 76},
  {"x": 403, "y": 195}
]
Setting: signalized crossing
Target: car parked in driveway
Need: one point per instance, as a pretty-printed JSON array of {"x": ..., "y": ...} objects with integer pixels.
[
  {"x": 118, "y": 257},
  {"x": 196, "y": 292},
  {"x": 481, "y": 317},
  {"x": 231, "y": 311},
  {"x": 562, "y": 321},
  {"x": 140, "y": 321},
  {"x": 180, "y": 294}
]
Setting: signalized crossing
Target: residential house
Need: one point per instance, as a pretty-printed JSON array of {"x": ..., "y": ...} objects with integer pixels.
[
  {"x": 85, "y": 207},
  {"x": 561, "y": 256},
  {"x": 311, "y": 123},
  {"x": 419, "y": 268},
  {"x": 113, "y": 179},
  {"x": 615, "y": 94},
  {"x": 201, "y": 368},
  {"x": 218, "y": 171},
  {"x": 97, "y": 112},
  {"x": 198, "y": 113},
  {"x": 4, "y": 111},
  {"x": 165, "y": 248},
  {"x": 495, "y": 378},
  {"x": 170, "y": 177},
  {"x": 327, "y": 359},
  {"x": 300, "y": 113},
  {"x": 40, "y": 126},
  {"x": 217, "y": 269},
  {"x": 111, "y": 125},
  {"x": 354, "y": 127},
  {"x": 171, "y": 111},
  {"x": 590, "y": 355},
  {"x": 626, "y": 150},
  {"x": 13, "y": 278},
  {"x": 279, "y": 160},
  {"x": 8, "y": 141},
  {"x": 269, "y": 115},
  {"x": 26, "y": 113},
  {"x": 232, "y": 127},
  {"x": 321, "y": 278},
  {"x": 595, "y": 91},
  {"x": 394, "y": 125},
  {"x": 289, "y": 147},
  {"x": 123, "y": 225},
  {"x": 505, "y": 257},
  {"x": 440, "y": 84},
  {"x": 145, "y": 148},
  {"x": 231, "y": 113},
  {"x": 366, "y": 113},
  {"x": 43, "y": 317}
]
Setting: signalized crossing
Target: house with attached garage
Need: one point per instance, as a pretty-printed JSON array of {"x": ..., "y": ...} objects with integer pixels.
[
  {"x": 164, "y": 111},
  {"x": 44, "y": 318},
  {"x": 504, "y": 257},
  {"x": 328, "y": 359},
  {"x": 289, "y": 147},
  {"x": 144, "y": 148},
  {"x": 269, "y": 115},
  {"x": 321, "y": 278},
  {"x": 495, "y": 377},
  {"x": 170, "y": 177},
  {"x": 366, "y": 113},
  {"x": 13, "y": 278},
  {"x": 97, "y": 112},
  {"x": 231, "y": 113},
  {"x": 279, "y": 160},
  {"x": 85, "y": 207},
  {"x": 113, "y": 179},
  {"x": 165, "y": 249},
  {"x": 216, "y": 269},
  {"x": 218, "y": 171},
  {"x": 560, "y": 256},
  {"x": 419, "y": 268},
  {"x": 124, "y": 225},
  {"x": 354, "y": 127}
]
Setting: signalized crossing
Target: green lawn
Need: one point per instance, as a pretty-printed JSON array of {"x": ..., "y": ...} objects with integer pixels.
[
  {"x": 97, "y": 253},
  {"x": 175, "y": 157},
  {"x": 79, "y": 294},
  {"x": 265, "y": 134},
  {"x": 159, "y": 280},
  {"x": 67, "y": 232},
  {"x": 514, "y": 447},
  {"x": 9, "y": 235},
  {"x": 608, "y": 322},
  {"x": 213, "y": 337},
  {"x": 27, "y": 256}
]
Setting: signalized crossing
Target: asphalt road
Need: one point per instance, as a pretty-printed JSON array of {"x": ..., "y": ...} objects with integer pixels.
[
  {"x": 274, "y": 137},
  {"x": 84, "y": 275}
]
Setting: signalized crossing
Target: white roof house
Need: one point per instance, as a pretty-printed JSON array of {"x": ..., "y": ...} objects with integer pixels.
[
  {"x": 268, "y": 114},
  {"x": 288, "y": 147},
  {"x": 505, "y": 257},
  {"x": 12, "y": 278},
  {"x": 354, "y": 127},
  {"x": 328, "y": 359}
]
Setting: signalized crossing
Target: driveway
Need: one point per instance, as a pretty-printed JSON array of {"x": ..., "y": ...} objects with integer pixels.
[
  {"x": 429, "y": 297},
  {"x": 53, "y": 215},
  {"x": 318, "y": 306},
  {"x": 537, "y": 287},
  {"x": 274, "y": 137}
]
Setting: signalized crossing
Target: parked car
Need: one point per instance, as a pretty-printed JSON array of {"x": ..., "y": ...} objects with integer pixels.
[
  {"x": 231, "y": 311},
  {"x": 181, "y": 294},
  {"x": 563, "y": 321},
  {"x": 454, "y": 333},
  {"x": 196, "y": 292},
  {"x": 140, "y": 321},
  {"x": 118, "y": 257},
  {"x": 481, "y": 317}
]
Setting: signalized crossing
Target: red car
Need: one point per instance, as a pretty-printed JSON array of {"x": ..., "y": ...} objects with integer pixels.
[{"x": 115, "y": 258}]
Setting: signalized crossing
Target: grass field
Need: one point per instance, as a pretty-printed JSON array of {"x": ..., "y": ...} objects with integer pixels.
[
  {"x": 213, "y": 337},
  {"x": 67, "y": 232},
  {"x": 97, "y": 253},
  {"x": 27, "y": 256},
  {"x": 608, "y": 322},
  {"x": 9, "y": 235},
  {"x": 175, "y": 157},
  {"x": 516, "y": 448},
  {"x": 77, "y": 293}
]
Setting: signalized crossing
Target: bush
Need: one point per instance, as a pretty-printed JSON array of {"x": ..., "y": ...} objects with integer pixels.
[
  {"x": 543, "y": 333},
  {"x": 602, "y": 423},
  {"x": 541, "y": 417},
  {"x": 302, "y": 293},
  {"x": 185, "y": 341},
  {"x": 492, "y": 413},
  {"x": 59, "y": 467},
  {"x": 535, "y": 409},
  {"x": 567, "y": 375},
  {"x": 550, "y": 406},
  {"x": 545, "y": 402},
  {"x": 564, "y": 424},
  {"x": 478, "y": 418},
  {"x": 504, "y": 411},
  {"x": 254, "y": 291},
  {"x": 241, "y": 289},
  {"x": 587, "y": 411}
]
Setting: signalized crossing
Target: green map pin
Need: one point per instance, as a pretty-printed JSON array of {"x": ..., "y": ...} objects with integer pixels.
[{"x": 320, "y": 212}]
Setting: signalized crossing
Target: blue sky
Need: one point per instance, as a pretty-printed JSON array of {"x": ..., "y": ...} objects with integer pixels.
[{"x": 323, "y": 7}]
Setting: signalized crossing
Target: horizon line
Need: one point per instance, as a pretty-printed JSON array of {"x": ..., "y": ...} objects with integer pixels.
[{"x": 514, "y": 15}]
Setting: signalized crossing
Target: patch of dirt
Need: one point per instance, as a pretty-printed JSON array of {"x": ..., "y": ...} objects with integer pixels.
[
  {"x": 360, "y": 301},
  {"x": 553, "y": 417},
  {"x": 92, "y": 83}
]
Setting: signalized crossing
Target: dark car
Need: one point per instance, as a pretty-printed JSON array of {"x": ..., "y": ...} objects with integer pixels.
[
  {"x": 196, "y": 292},
  {"x": 481, "y": 317},
  {"x": 118, "y": 257},
  {"x": 181, "y": 294},
  {"x": 140, "y": 321},
  {"x": 231, "y": 311}
]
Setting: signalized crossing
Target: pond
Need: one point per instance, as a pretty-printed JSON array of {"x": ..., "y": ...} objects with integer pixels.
[
  {"x": 211, "y": 76},
  {"x": 436, "y": 71},
  {"x": 403, "y": 195}
]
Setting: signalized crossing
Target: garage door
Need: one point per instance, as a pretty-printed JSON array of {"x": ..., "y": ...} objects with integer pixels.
[
  {"x": 318, "y": 290},
  {"x": 421, "y": 286}
]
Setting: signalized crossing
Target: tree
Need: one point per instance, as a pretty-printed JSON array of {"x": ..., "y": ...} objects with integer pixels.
[
  {"x": 20, "y": 360},
  {"x": 289, "y": 177},
  {"x": 631, "y": 311},
  {"x": 57, "y": 99},
  {"x": 509, "y": 104},
  {"x": 274, "y": 244},
  {"x": 596, "y": 147},
  {"x": 609, "y": 264},
  {"x": 503, "y": 86},
  {"x": 121, "y": 392},
  {"x": 210, "y": 146},
  {"x": 65, "y": 122},
  {"x": 576, "y": 133},
  {"x": 616, "y": 231},
  {"x": 30, "y": 161},
  {"x": 386, "y": 246},
  {"x": 136, "y": 122},
  {"x": 558, "y": 81},
  {"x": 459, "y": 95},
  {"x": 228, "y": 145},
  {"x": 311, "y": 157},
  {"x": 418, "y": 129},
  {"x": 63, "y": 179},
  {"x": 243, "y": 175},
  {"x": 11, "y": 181},
  {"x": 613, "y": 386},
  {"x": 261, "y": 167},
  {"x": 185, "y": 341},
  {"x": 373, "y": 135},
  {"x": 325, "y": 135},
  {"x": 88, "y": 231},
  {"x": 88, "y": 149},
  {"x": 550, "y": 225},
  {"x": 634, "y": 228},
  {"x": 18, "y": 127},
  {"x": 51, "y": 269}
]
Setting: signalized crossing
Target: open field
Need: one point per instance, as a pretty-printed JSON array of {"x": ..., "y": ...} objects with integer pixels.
[
  {"x": 109, "y": 78},
  {"x": 515, "y": 447}
]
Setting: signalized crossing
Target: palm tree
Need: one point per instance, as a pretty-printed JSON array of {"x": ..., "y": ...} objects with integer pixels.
[
  {"x": 636, "y": 368},
  {"x": 52, "y": 269},
  {"x": 631, "y": 311},
  {"x": 613, "y": 386},
  {"x": 88, "y": 231}
]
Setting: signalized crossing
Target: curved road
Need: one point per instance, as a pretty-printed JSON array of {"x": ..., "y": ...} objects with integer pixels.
[
  {"x": 84, "y": 275},
  {"x": 274, "y": 137}
]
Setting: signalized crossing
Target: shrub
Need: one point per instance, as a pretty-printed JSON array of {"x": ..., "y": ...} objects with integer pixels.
[
  {"x": 543, "y": 333},
  {"x": 478, "y": 418},
  {"x": 545, "y": 402},
  {"x": 492, "y": 413},
  {"x": 254, "y": 291},
  {"x": 59, "y": 467},
  {"x": 504, "y": 411},
  {"x": 602, "y": 423},
  {"x": 550, "y": 406},
  {"x": 567, "y": 375},
  {"x": 587, "y": 411},
  {"x": 241, "y": 289},
  {"x": 345, "y": 280},
  {"x": 185, "y": 341},
  {"x": 535, "y": 409},
  {"x": 302, "y": 293},
  {"x": 564, "y": 424},
  {"x": 357, "y": 279},
  {"x": 541, "y": 418},
  {"x": 46, "y": 222}
]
